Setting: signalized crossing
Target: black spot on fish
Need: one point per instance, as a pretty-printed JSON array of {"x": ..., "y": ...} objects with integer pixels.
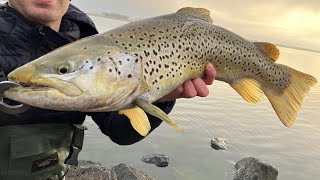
[
  {"x": 146, "y": 53},
  {"x": 155, "y": 53}
]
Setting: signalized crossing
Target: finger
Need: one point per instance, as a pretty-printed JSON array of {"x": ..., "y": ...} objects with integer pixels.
[
  {"x": 179, "y": 90},
  {"x": 175, "y": 94},
  {"x": 201, "y": 87},
  {"x": 210, "y": 74},
  {"x": 189, "y": 90}
]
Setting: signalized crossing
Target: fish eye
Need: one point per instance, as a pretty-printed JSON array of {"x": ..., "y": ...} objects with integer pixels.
[{"x": 63, "y": 69}]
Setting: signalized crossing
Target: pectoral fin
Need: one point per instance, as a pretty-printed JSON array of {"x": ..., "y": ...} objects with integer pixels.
[
  {"x": 157, "y": 112},
  {"x": 138, "y": 119}
]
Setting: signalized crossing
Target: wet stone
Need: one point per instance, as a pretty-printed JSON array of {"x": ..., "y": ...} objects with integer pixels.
[
  {"x": 125, "y": 172},
  {"x": 88, "y": 170},
  {"x": 218, "y": 144},
  {"x": 253, "y": 169},
  {"x": 159, "y": 160}
]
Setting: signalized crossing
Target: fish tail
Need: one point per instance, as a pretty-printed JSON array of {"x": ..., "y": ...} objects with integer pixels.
[{"x": 287, "y": 102}]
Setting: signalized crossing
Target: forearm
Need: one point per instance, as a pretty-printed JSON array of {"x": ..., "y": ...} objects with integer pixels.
[{"x": 119, "y": 129}]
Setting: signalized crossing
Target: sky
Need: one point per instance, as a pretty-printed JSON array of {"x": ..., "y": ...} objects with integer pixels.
[
  {"x": 294, "y": 23},
  {"x": 287, "y": 22}
]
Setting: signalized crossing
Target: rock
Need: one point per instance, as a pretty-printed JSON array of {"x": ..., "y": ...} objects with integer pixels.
[
  {"x": 253, "y": 169},
  {"x": 218, "y": 144},
  {"x": 159, "y": 160},
  {"x": 88, "y": 170},
  {"x": 125, "y": 172}
]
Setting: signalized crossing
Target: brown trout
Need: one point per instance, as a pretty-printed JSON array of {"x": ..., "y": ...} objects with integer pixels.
[{"x": 130, "y": 67}]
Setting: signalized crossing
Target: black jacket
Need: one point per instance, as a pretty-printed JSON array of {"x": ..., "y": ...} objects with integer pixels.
[{"x": 22, "y": 41}]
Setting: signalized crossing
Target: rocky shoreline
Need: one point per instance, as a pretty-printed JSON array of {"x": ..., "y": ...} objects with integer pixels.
[
  {"x": 88, "y": 170},
  {"x": 249, "y": 168}
]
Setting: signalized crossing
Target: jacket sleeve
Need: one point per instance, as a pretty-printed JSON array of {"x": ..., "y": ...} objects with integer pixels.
[{"x": 118, "y": 127}]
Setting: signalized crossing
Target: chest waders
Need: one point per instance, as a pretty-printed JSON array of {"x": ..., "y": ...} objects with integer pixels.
[{"x": 39, "y": 151}]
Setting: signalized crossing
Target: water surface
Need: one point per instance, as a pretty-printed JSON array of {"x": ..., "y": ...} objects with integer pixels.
[{"x": 249, "y": 130}]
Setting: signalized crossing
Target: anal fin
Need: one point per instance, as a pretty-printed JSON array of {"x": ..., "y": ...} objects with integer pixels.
[{"x": 248, "y": 89}]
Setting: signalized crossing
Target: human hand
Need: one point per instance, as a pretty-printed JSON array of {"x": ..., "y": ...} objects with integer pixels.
[{"x": 194, "y": 87}]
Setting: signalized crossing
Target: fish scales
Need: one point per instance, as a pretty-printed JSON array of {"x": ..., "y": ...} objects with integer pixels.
[
  {"x": 130, "y": 67},
  {"x": 175, "y": 48}
]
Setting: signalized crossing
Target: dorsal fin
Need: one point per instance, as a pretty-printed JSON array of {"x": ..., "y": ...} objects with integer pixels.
[
  {"x": 201, "y": 13},
  {"x": 268, "y": 49}
]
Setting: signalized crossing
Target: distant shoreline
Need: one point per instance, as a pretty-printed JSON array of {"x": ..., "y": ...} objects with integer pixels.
[{"x": 299, "y": 48}]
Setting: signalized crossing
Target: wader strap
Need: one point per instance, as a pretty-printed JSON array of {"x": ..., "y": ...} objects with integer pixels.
[
  {"x": 3, "y": 77},
  {"x": 76, "y": 145}
]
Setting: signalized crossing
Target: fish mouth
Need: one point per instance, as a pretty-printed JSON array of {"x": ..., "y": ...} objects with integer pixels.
[
  {"x": 49, "y": 85},
  {"x": 32, "y": 82}
]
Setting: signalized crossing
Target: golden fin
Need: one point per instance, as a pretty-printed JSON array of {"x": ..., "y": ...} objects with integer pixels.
[
  {"x": 138, "y": 119},
  {"x": 288, "y": 102},
  {"x": 249, "y": 89},
  {"x": 157, "y": 112},
  {"x": 268, "y": 49},
  {"x": 201, "y": 13}
]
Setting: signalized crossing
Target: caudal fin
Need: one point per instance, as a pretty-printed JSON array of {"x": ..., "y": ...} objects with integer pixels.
[{"x": 288, "y": 102}]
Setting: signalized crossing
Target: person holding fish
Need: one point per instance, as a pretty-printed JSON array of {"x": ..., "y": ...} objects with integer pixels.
[{"x": 41, "y": 143}]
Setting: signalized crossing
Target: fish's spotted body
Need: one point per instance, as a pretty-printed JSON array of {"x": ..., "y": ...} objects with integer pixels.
[{"x": 138, "y": 63}]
